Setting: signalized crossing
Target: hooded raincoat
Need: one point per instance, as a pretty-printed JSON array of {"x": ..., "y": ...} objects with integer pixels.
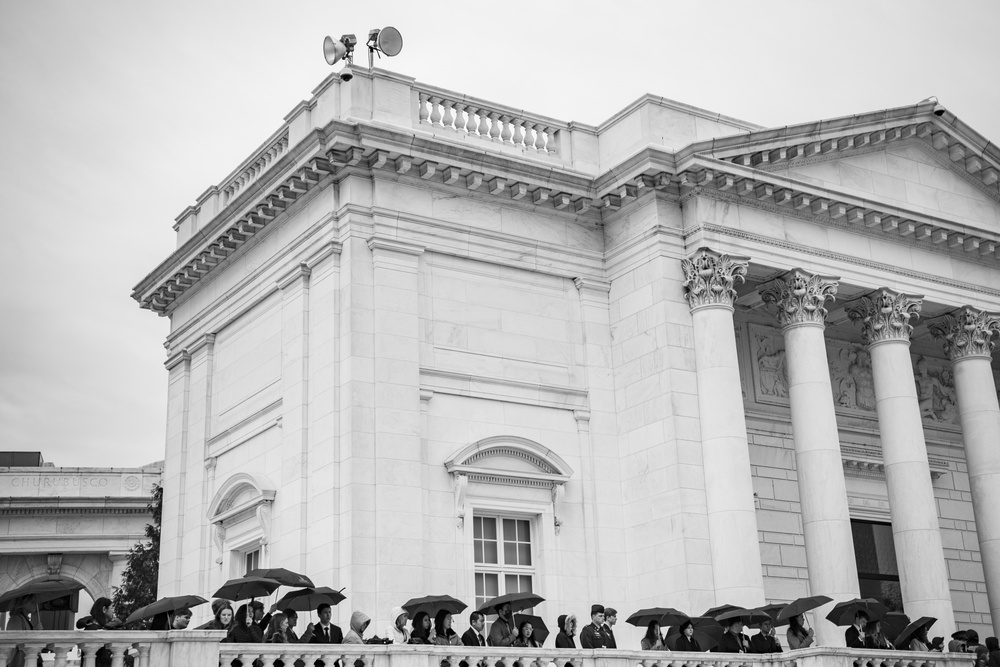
[{"x": 359, "y": 621}]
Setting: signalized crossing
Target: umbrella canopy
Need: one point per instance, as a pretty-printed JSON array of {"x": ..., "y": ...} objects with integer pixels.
[
  {"x": 721, "y": 609},
  {"x": 308, "y": 599},
  {"x": 772, "y": 610},
  {"x": 282, "y": 576},
  {"x": 43, "y": 591},
  {"x": 903, "y": 640},
  {"x": 431, "y": 604},
  {"x": 707, "y": 632},
  {"x": 663, "y": 615},
  {"x": 165, "y": 605},
  {"x": 518, "y": 602},
  {"x": 246, "y": 587},
  {"x": 844, "y": 612},
  {"x": 801, "y": 606},
  {"x": 538, "y": 629},
  {"x": 748, "y": 616},
  {"x": 893, "y": 623}
]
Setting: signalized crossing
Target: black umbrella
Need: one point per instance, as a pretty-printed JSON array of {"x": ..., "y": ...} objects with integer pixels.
[
  {"x": 431, "y": 604},
  {"x": 844, "y": 612},
  {"x": 538, "y": 630},
  {"x": 42, "y": 591},
  {"x": 282, "y": 576},
  {"x": 308, "y": 599},
  {"x": 707, "y": 632},
  {"x": 165, "y": 605},
  {"x": 663, "y": 615},
  {"x": 748, "y": 616},
  {"x": 721, "y": 609},
  {"x": 903, "y": 640},
  {"x": 247, "y": 587},
  {"x": 518, "y": 602},
  {"x": 893, "y": 623},
  {"x": 801, "y": 606},
  {"x": 771, "y": 610}
]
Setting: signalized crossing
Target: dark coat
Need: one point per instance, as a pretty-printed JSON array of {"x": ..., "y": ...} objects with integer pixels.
[
  {"x": 593, "y": 636},
  {"x": 761, "y": 644},
  {"x": 471, "y": 638},
  {"x": 564, "y": 641},
  {"x": 685, "y": 644},
  {"x": 730, "y": 644},
  {"x": 854, "y": 638},
  {"x": 319, "y": 637},
  {"x": 609, "y": 635},
  {"x": 501, "y": 633}
]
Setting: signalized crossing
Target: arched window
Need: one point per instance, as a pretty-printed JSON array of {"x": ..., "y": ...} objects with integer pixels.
[{"x": 241, "y": 515}]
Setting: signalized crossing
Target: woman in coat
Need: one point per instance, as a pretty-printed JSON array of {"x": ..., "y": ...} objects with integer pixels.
[
  {"x": 525, "y": 636},
  {"x": 276, "y": 628},
  {"x": 567, "y": 629},
  {"x": 421, "y": 632},
  {"x": 443, "y": 634},
  {"x": 653, "y": 641},
  {"x": 223, "y": 618},
  {"x": 244, "y": 630},
  {"x": 798, "y": 636},
  {"x": 686, "y": 641}
]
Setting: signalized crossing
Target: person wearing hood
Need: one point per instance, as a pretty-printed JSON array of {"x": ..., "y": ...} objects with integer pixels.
[
  {"x": 397, "y": 631},
  {"x": 359, "y": 622},
  {"x": 567, "y": 628},
  {"x": 243, "y": 629}
]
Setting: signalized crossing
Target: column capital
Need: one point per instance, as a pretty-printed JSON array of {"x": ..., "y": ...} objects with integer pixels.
[
  {"x": 885, "y": 315},
  {"x": 968, "y": 332},
  {"x": 710, "y": 278},
  {"x": 800, "y": 297}
]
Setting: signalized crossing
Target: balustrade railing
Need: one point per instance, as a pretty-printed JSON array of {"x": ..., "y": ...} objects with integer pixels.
[
  {"x": 250, "y": 171},
  {"x": 489, "y": 122},
  {"x": 203, "y": 648}
]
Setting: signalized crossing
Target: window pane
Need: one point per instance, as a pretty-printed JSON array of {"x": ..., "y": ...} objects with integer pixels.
[
  {"x": 524, "y": 554},
  {"x": 523, "y": 531},
  {"x": 509, "y": 553},
  {"x": 489, "y": 528},
  {"x": 509, "y": 530},
  {"x": 492, "y": 585},
  {"x": 478, "y": 547},
  {"x": 480, "y": 586},
  {"x": 477, "y": 528},
  {"x": 886, "y": 592},
  {"x": 510, "y": 584},
  {"x": 490, "y": 552}
]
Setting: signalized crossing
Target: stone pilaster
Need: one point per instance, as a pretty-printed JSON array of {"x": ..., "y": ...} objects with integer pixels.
[
  {"x": 710, "y": 280},
  {"x": 800, "y": 302},
  {"x": 968, "y": 341},
  {"x": 885, "y": 320}
]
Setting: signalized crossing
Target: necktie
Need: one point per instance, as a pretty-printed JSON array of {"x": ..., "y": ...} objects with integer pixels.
[{"x": 481, "y": 641}]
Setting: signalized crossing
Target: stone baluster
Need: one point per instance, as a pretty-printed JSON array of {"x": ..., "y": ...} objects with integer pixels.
[
  {"x": 494, "y": 125},
  {"x": 800, "y": 300},
  {"x": 247, "y": 658},
  {"x": 460, "y": 124},
  {"x": 89, "y": 652},
  {"x": 968, "y": 341},
  {"x": 329, "y": 658},
  {"x": 470, "y": 122},
  {"x": 142, "y": 660},
  {"x": 709, "y": 283},
  {"x": 505, "y": 130},
  {"x": 529, "y": 138},
  {"x": 435, "y": 111},
  {"x": 61, "y": 651},
  {"x": 118, "y": 650},
  {"x": 31, "y": 651},
  {"x": 484, "y": 124},
  {"x": 422, "y": 112},
  {"x": 552, "y": 143},
  {"x": 923, "y": 574},
  {"x": 449, "y": 113},
  {"x": 518, "y": 132}
]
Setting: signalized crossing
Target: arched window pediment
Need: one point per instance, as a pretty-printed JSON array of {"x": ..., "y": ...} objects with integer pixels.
[{"x": 510, "y": 460}]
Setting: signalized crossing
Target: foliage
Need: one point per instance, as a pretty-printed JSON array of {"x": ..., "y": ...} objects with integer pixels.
[{"x": 139, "y": 578}]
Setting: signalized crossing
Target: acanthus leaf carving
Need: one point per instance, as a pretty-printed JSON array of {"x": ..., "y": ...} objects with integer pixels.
[
  {"x": 710, "y": 278},
  {"x": 885, "y": 315},
  {"x": 967, "y": 333},
  {"x": 800, "y": 297}
]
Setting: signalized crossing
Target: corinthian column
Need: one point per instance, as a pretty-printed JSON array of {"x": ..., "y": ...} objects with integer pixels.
[
  {"x": 923, "y": 575},
  {"x": 968, "y": 342},
  {"x": 709, "y": 279},
  {"x": 826, "y": 521}
]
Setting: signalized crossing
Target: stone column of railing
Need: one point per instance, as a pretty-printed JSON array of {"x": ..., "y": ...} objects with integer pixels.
[
  {"x": 709, "y": 283},
  {"x": 826, "y": 521},
  {"x": 923, "y": 576},
  {"x": 968, "y": 341}
]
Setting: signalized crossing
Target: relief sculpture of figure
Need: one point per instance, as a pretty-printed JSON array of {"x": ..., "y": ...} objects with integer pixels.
[
  {"x": 861, "y": 370},
  {"x": 933, "y": 395},
  {"x": 771, "y": 364}
]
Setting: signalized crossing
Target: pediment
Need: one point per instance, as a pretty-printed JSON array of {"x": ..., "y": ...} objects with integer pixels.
[
  {"x": 510, "y": 460},
  {"x": 241, "y": 493},
  {"x": 910, "y": 175}
]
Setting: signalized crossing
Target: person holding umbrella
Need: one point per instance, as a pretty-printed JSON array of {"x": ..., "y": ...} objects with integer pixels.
[
  {"x": 326, "y": 632},
  {"x": 502, "y": 632},
  {"x": 421, "y": 632},
  {"x": 798, "y": 635},
  {"x": 765, "y": 641},
  {"x": 443, "y": 634},
  {"x": 854, "y": 635},
  {"x": 733, "y": 640},
  {"x": 686, "y": 641},
  {"x": 875, "y": 638},
  {"x": 525, "y": 636},
  {"x": 653, "y": 641},
  {"x": 243, "y": 629}
]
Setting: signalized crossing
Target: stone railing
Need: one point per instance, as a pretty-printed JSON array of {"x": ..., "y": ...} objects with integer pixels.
[
  {"x": 203, "y": 648},
  {"x": 467, "y": 116},
  {"x": 144, "y": 649},
  {"x": 256, "y": 165}
]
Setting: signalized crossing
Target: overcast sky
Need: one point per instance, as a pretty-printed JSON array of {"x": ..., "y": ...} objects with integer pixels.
[{"x": 115, "y": 115}]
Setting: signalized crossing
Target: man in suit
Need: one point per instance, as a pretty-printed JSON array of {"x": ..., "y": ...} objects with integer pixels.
[
  {"x": 326, "y": 632},
  {"x": 855, "y": 635},
  {"x": 502, "y": 633},
  {"x": 733, "y": 640},
  {"x": 765, "y": 641},
  {"x": 290, "y": 635},
  {"x": 610, "y": 618},
  {"x": 593, "y": 635},
  {"x": 474, "y": 635}
]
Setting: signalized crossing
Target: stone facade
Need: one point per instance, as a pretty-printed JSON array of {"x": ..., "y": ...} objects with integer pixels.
[{"x": 640, "y": 352}]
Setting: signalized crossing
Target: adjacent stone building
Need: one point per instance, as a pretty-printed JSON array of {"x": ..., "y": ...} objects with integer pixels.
[
  {"x": 425, "y": 343},
  {"x": 71, "y": 524}
]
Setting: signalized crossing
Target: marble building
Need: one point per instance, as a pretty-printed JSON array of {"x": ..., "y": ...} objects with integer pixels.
[
  {"x": 71, "y": 524},
  {"x": 426, "y": 343}
]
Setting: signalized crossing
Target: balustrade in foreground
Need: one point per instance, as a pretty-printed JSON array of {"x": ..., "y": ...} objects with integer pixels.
[{"x": 202, "y": 647}]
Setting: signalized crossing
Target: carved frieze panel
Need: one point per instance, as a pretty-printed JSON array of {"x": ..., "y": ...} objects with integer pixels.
[{"x": 850, "y": 377}]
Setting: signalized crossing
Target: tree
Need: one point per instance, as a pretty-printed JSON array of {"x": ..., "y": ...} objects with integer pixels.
[{"x": 142, "y": 569}]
